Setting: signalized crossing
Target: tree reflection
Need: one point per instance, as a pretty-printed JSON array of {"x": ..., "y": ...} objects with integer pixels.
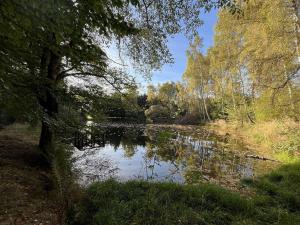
[{"x": 181, "y": 155}]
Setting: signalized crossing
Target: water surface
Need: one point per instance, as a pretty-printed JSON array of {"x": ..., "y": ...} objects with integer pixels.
[{"x": 163, "y": 154}]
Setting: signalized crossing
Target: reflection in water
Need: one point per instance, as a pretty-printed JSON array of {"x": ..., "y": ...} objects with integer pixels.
[
  {"x": 92, "y": 169},
  {"x": 135, "y": 152}
]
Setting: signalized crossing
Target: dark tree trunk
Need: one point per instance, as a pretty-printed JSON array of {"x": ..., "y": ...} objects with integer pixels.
[
  {"x": 45, "y": 138},
  {"x": 51, "y": 109},
  {"x": 51, "y": 67}
]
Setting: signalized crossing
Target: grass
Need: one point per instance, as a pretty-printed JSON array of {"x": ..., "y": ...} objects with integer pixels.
[
  {"x": 138, "y": 202},
  {"x": 279, "y": 139},
  {"x": 277, "y": 201},
  {"x": 282, "y": 186}
]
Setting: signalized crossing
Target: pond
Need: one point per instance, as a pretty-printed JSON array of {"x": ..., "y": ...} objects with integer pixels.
[{"x": 159, "y": 153}]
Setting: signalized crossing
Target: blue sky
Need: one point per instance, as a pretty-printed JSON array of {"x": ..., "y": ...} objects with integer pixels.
[{"x": 178, "y": 46}]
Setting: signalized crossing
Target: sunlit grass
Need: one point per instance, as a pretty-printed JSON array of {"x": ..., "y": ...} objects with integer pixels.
[
  {"x": 278, "y": 139},
  {"x": 286, "y": 157}
]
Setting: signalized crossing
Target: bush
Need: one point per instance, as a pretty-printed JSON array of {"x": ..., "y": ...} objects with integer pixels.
[
  {"x": 158, "y": 114},
  {"x": 64, "y": 177},
  {"x": 189, "y": 119},
  {"x": 6, "y": 119}
]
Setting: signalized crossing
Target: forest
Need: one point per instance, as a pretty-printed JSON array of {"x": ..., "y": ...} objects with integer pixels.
[{"x": 82, "y": 142}]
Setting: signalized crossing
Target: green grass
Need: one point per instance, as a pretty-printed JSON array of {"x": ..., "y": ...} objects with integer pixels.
[
  {"x": 142, "y": 203},
  {"x": 281, "y": 186}
]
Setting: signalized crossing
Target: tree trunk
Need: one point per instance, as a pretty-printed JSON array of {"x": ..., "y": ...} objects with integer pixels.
[
  {"x": 290, "y": 91},
  {"x": 45, "y": 143},
  {"x": 232, "y": 95},
  {"x": 205, "y": 108},
  {"x": 222, "y": 97},
  {"x": 50, "y": 61},
  {"x": 296, "y": 10},
  {"x": 222, "y": 102},
  {"x": 51, "y": 109},
  {"x": 204, "y": 99}
]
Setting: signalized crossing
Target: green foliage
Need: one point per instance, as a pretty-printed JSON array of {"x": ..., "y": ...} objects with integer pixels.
[
  {"x": 216, "y": 110},
  {"x": 163, "y": 102},
  {"x": 164, "y": 136},
  {"x": 14, "y": 105}
]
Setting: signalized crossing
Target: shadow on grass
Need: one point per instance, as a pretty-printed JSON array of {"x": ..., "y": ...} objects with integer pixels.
[
  {"x": 280, "y": 187},
  {"x": 143, "y": 203}
]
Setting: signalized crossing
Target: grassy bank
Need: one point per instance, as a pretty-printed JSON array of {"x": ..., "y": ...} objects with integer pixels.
[
  {"x": 279, "y": 139},
  {"x": 141, "y": 203}
]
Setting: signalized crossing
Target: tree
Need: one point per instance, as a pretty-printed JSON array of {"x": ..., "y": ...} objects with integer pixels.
[
  {"x": 198, "y": 78},
  {"x": 152, "y": 95},
  {"x": 229, "y": 75},
  {"x": 273, "y": 62},
  {"x": 167, "y": 95},
  {"x": 44, "y": 42},
  {"x": 253, "y": 67}
]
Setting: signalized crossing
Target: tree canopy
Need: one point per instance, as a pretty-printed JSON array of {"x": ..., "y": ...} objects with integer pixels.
[{"x": 44, "y": 42}]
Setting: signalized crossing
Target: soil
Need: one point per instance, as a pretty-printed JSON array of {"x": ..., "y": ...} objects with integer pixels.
[{"x": 26, "y": 195}]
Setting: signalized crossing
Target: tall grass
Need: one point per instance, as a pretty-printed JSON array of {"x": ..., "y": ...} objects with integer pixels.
[
  {"x": 64, "y": 178},
  {"x": 277, "y": 138}
]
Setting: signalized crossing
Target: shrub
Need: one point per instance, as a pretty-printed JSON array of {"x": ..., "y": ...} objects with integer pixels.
[
  {"x": 158, "y": 114},
  {"x": 189, "y": 119}
]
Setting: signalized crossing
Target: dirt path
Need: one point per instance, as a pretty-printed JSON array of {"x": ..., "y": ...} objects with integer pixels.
[{"x": 25, "y": 187}]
